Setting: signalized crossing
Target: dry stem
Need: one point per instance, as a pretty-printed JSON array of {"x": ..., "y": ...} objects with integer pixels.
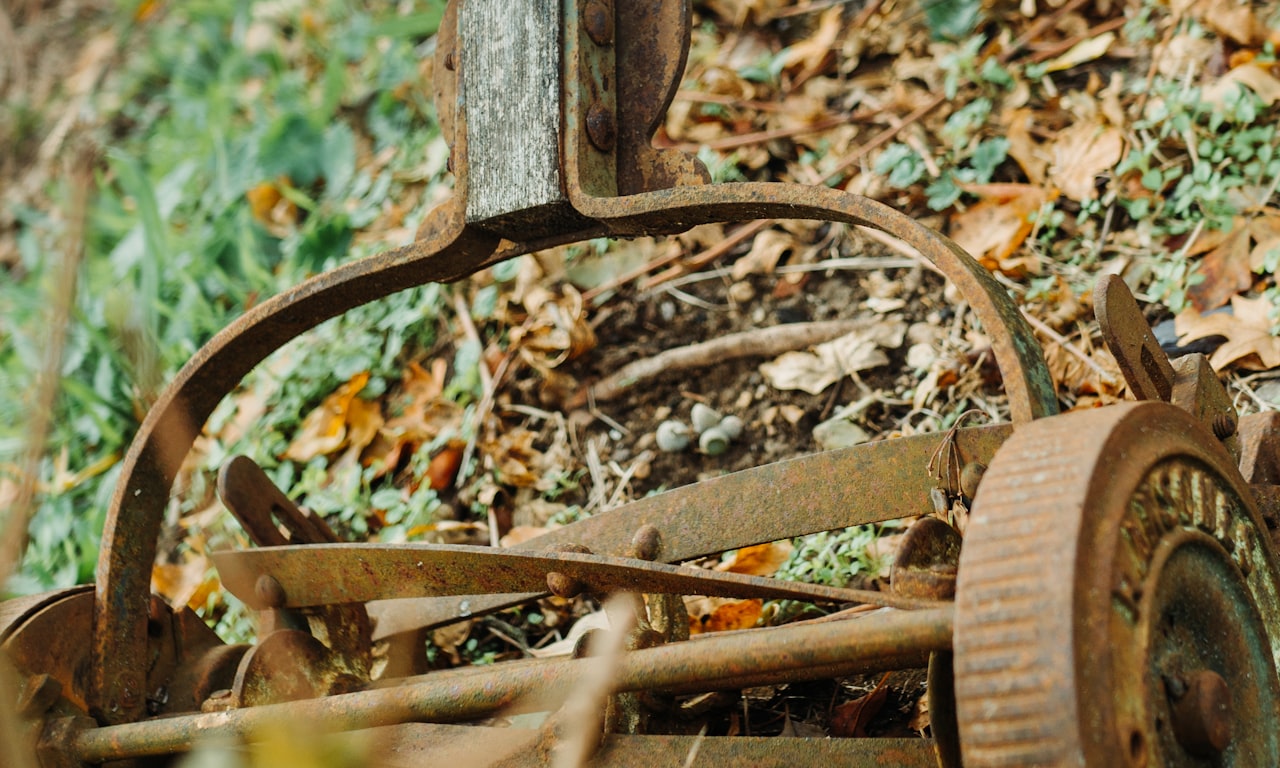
[{"x": 758, "y": 342}]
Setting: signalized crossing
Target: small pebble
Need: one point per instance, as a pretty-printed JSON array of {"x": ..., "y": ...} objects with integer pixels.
[
  {"x": 731, "y": 426},
  {"x": 703, "y": 417}
]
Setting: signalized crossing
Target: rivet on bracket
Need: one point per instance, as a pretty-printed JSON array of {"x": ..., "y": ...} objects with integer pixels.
[{"x": 602, "y": 127}]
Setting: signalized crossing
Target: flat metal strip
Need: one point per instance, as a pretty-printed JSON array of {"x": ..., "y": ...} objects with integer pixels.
[
  {"x": 335, "y": 574},
  {"x": 416, "y": 744}
]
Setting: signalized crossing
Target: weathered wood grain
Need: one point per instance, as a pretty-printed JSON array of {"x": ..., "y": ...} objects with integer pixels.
[{"x": 510, "y": 56}]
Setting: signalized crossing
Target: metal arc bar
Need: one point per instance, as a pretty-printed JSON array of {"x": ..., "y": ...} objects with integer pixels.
[
  {"x": 166, "y": 435},
  {"x": 335, "y": 574},
  {"x": 868, "y": 483},
  {"x": 895, "y": 640},
  {"x": 1027, "y": 380}
]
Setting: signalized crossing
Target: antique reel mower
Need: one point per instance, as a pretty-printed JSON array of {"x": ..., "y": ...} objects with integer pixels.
[{"x": 1114, "y": 602}]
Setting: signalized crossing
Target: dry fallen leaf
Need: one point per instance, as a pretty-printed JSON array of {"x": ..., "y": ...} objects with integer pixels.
[
  {"x": 767, "y": 250},
  {"x": 1251, "y": 76},
  {"x": 850, "y": 719},
  {"x": 760, "y": 560},
  {"x": 1080, "y": 154},
  {"x": 921, "y": 721},
  {"x": 1247, "y": 329},
  {"x": 1032, "y": 155},
  {"x": 270, "y": 207},
  {"x": 811, "y": 55},
  {"x": 558, "y": 331},
  {"x": 1232, "y": 257},
  {"x": 995, "y": 227},
  {"x": 1237, "y": 21},
  {"x": 831, "y": 361},
  {"x": 718, "y": 614},
  {"x": 1082, "y": 52},
  {"x": 324, "y": 430},
  {"x": 185, "y": 584},
  {"x": 421, "y": 415}
]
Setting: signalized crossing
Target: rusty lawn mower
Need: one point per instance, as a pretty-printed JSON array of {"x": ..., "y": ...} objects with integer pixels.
[{"x": 1115, "y": 600}]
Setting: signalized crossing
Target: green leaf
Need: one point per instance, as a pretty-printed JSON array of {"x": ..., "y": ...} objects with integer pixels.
[{"x": 952, "y": 19}]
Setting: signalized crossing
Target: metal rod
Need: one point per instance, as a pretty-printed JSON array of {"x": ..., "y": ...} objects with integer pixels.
[{"x": 813, "y": 651}]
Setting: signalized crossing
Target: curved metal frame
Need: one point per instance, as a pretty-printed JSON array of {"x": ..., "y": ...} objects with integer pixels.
[{"x": 165, "y": 437}]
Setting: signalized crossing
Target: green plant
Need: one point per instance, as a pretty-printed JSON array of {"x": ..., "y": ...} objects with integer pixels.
[
  {"x": 215, "y": 113},
  {"x": 834, "y": 557}
]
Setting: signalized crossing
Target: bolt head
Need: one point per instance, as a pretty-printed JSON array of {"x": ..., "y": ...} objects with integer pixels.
[
  {"x": 598, "y": 20},
  {"x": 602, "y": 127},
  {"x": 1202, "y": 715},
  {"x": 269, "y": 591},
  {"x": 646, "y": 543}
]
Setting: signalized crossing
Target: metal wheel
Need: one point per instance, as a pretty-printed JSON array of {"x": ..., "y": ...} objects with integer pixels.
[{"x": 1117, "y": 602}]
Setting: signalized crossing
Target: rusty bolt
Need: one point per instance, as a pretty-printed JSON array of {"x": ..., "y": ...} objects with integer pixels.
[
  {"x": 450, "y": 61},
  {"x": 647, "y": 542},
  {"x": 1224, "y": 425},
  {"x": 126, "y": 693},
  {"x": 598, "y": 22},
  {"x": 1202, "y": 715},
  {"x": 602, "y": 128},
  {"x": 269, "y": 591},
  {"x": 970, "y": 476},
  {"x": 562, "y": 584}
]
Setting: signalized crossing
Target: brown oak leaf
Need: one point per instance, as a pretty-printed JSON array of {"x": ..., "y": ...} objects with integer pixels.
[
  {"x": 1247, "y": 329},
  {"x": 1231, "y": 257}
]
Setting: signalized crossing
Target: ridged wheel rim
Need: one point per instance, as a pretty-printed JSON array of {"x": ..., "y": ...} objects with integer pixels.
[{"x": 1058, "y": 656}]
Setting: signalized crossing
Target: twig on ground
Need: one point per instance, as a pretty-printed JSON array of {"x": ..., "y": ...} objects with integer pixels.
[
  {"x": 1038, "y": 28},
  {"x": 758, "y": 342},
  {"x": 760, "y": 137},
  {"x": 1060, "y": 48},
  {"x": 885, "y": 136},
  {"x": 1075, "y": 351},
  {"x": 488, "y": 383},
  {"x": 741, "y": 235},
  {"x": 697, "y": 745}
]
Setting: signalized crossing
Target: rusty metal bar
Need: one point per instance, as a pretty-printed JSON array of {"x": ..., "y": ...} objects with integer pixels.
[
  {"x": 814, "y": 493},
  {"x": 433, "y": 744},
  {"x": 357, "y": 573},
  {"x": 802, "y": 652}
]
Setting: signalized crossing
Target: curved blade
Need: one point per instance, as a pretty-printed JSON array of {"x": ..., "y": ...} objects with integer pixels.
[
  {"x": 331, "y": 574},
  {"x": 869, "y": 483}
]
